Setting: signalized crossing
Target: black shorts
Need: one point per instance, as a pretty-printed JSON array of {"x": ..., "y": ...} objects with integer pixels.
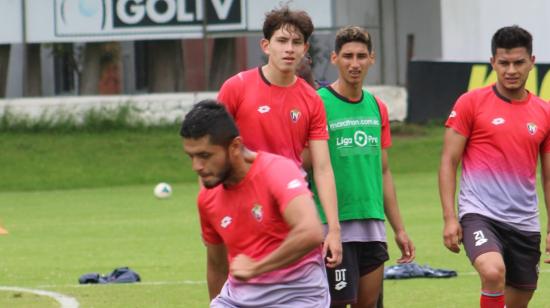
[
  {"x": 519, "y": 249},
  {"x": 358, "y": 259}
]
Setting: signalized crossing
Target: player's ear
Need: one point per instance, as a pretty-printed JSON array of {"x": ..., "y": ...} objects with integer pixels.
[
  {"x": 236, "y": 145},
  {"x": 333, "y": 57},
  {"x": 532, "y": 58},
  {"x": 264, "y": 44},
  {"x": 372, "y": 57}
]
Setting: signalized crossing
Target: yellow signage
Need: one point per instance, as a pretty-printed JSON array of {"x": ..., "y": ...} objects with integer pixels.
[{"x": 480, "y": 76}]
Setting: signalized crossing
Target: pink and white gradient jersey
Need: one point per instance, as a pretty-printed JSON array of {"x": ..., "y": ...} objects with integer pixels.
[
  {"x": 500, "y": 159},
  {"x": 274, "y": 119},
  {"x": 248, "y": 217}
]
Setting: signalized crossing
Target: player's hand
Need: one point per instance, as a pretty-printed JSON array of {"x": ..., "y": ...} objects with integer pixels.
[
  {"x": 408, "y": 251},
  {"x": 547, "y": 259},
  {"x": 452, "y": 235},
  {"x": 242, "y": 267},
  {"x": 332, "y": 244}
]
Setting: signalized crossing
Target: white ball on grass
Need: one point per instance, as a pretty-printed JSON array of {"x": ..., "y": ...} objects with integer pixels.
[{"x": 163, "y": 190}]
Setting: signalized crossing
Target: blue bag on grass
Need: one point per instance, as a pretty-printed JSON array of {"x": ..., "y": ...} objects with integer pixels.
[{"x": 119, "y": 275}]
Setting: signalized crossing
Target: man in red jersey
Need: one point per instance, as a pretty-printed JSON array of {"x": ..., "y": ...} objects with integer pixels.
[
  {"x": 259, "y": 223},
  {"x": 498, "y": 132},
  {"x": 280, "y": 113}
]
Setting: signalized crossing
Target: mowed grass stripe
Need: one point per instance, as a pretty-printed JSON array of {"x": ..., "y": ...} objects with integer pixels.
[{"x": 84, "y": 217}]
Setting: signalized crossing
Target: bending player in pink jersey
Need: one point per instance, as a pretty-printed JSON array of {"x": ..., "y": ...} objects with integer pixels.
[
  {"x": 498, "y": 132},
  {"x": 259, "y": 223},
  {"x": 280, "y": 113}
]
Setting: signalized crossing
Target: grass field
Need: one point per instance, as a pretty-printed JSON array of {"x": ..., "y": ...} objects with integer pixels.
[{"x": 76, "y": 203}]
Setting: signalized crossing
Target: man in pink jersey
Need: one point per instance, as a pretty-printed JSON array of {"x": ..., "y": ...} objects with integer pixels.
[
  {"x": 259, "y": 223},
  {"x": 280, "y": 113},
  {"x": 498, "y": 132}
]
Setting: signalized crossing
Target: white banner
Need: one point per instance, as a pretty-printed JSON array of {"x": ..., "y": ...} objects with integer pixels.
[
  {"x": 108, "y": 20},
  {"x": 12, "y": 22}
]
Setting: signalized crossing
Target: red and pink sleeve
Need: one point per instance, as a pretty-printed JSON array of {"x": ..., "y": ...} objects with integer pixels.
[
  {"x": 461, "y": 117},
  {"x": 229, "y": 94},
  {"x": 385, "y": 118},
  {"x": 209, "y": 234},
  {"x": 318, "y": 126},
  {"x": 286, "y": 182}
]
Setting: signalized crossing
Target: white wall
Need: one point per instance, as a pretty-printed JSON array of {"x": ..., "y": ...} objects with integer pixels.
[
  {"x": 152, "y": 108},
  {"x": 468, "y": 26}
]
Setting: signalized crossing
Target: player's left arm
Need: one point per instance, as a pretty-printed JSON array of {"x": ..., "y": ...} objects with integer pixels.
[
  {"x": 306, "y": 233},
  {"x": 323, "y": 175},
  {"x": 391, "y": 210},
  {"x": 545, "y": 170}
]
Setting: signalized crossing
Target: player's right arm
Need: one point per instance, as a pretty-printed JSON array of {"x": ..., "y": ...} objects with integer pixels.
[
  {"x": 453, "y": 147},
  {"x": 216, "y": 268}
]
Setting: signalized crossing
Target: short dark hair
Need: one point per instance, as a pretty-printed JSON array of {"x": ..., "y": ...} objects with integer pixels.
[
  {"x": 209, "y": 118},
  {"x": 352, "y": 34},
  {"x": 512, "y": 37},
  {"x": 283, "y": 17}
]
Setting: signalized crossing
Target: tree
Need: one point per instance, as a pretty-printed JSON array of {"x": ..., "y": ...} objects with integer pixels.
[
  {"x": 165, "y": 66},
  {"x": 223, "y": 63}
]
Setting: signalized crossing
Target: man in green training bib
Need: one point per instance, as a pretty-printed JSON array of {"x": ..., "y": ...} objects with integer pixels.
[{"x": 359, "y": 133}]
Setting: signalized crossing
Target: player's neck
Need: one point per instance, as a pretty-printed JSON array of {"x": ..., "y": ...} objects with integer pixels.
[
  {"x": 514, "y": 95},
  {"x": 240, "y": 169},
  {"x": 278, "y": 77},
  {"x": 353, "y": 92}
]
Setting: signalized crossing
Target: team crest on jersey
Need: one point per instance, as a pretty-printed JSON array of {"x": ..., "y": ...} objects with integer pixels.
[
  {"x": 295, "y": 115},
  {"x": 257, "y": 212},
  {"x": 532, "y": 128}
]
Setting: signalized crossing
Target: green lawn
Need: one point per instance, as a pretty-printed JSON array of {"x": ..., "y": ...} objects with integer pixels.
[{"x": 83, "y": 202}]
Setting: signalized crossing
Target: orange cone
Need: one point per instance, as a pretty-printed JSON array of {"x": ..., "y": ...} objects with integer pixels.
[{"x": 3, "y": 231}]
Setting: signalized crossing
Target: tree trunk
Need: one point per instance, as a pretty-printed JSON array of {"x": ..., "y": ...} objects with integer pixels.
[
  {"x": 4, "y": 65},
  {"x": 91, "y": 70},
  {"x": 223, "y": 61},
  {"x": 165, "y": 66},
  {"x": 33, "y": 71}
]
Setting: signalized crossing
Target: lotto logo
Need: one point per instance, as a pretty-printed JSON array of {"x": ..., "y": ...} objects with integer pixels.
[
  {"x": 498, "y": 121},
  {"x": 294, "y": 184},
  {"x": 339, "y": 286},
  {"x": 226, "y": 221},
  {"x": 264, "y": 109}
]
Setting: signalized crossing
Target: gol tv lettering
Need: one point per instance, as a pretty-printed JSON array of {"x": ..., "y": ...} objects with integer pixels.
[{"x": 479, "y": 77}]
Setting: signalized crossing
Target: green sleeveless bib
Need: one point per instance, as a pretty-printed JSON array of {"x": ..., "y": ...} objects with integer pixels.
[{"x": 356, "y": 155}]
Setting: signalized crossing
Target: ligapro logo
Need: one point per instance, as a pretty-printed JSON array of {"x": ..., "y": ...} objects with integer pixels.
[{"x": 360, "y": 139}]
